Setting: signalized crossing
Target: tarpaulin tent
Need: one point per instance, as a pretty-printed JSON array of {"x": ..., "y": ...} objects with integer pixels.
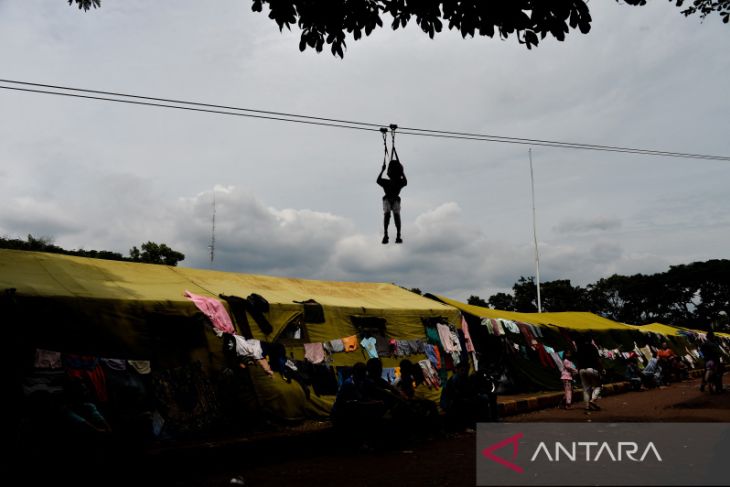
[
  {"x": 560, "y": 329},
  {"x": 138, "y": 311},
  {"x": 659, "y": 329}
]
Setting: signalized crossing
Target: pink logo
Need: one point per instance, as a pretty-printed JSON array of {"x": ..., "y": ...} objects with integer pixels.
[{"x": 488, "y": 452}]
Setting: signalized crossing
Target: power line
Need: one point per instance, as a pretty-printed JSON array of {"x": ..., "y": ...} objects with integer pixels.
[
  {"x": 204, "y": 110},
  {"x": 328, "y": 122},
  {"x": 192, "y": 103}
]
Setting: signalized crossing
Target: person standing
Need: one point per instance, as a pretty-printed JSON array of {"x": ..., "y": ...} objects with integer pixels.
[
  {"x": 589, "y": 371},
  {"x": 712, "y": 377},
  {"x": 566, "y": 375}
]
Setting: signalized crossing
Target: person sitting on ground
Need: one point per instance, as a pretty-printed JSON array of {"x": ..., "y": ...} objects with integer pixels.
[
  {"x": 665, "y": 356},
  {"x": 680, "y": 370},
  {"x": 391, "y": 200},
  {"x": 422, "y": 418},
  {"x": 458, "y": 400},
  {"x": 353, "y": 405},
  {"x": 406, "y": 382},
  {"x": 485, "y": 385},
  {"x": 82, "y": 415},
  {"x": 652, "y": 373},
  {"x": 633, "y": 374},
  {"x": 378, "y": 388}
]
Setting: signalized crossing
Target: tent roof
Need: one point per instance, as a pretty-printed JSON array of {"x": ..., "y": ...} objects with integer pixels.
[
  {"x": 57, "y": 275},
  {"x": 574, "y": 320},
  {"x": 659, "y": 329}
]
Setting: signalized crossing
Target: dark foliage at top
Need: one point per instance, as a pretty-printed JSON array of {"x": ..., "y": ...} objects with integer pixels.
[{"x": 329, "y": 22}]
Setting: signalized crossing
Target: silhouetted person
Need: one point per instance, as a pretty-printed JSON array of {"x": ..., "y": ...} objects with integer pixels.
[
  {"x": 378, "y": 388},
  {"x": 459, "y": 399},
  {"x": 712, "y": 377},
  {"x": 665, "y": 356},
  {"x": 652, "y": 372},
  {"x": 391, "y": 201},
  {"x": 356, "y": 414},
  {"x": 633, "y": 374}
]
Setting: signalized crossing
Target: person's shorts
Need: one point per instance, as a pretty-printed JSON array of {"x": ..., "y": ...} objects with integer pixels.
[
  {"x": 391, "y": 205},
  {"x": 589, "y": 377}
]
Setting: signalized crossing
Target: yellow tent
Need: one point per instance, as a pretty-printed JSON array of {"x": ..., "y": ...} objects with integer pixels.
[
  {"x": 131, "y": 310},
  {"x": 659, "y": 329},
  {"x": 574, "y": 320}
]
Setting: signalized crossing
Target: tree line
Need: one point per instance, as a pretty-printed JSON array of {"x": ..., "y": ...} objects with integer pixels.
[
  {"x": 149, "y": 252},
  {"x": 695, "y": 295}
]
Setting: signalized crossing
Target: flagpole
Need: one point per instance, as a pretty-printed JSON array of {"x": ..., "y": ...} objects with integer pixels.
[{"x": 534, "y": 234}]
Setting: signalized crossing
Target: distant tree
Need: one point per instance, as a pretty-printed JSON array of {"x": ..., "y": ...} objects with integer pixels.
[
  {"x": 561, "y": 295},
  {"x": 477, "y": 301},
  {"x": 525, "y": 295},
  {"x": 36, "y": 244},
  {"x": 329, "y": 22},
  {"x": 153, "y": 253},
  {"x": 502, "y": 301},
  {"x": 45, "y": 244},
  {"x": 416, "y": 290}
]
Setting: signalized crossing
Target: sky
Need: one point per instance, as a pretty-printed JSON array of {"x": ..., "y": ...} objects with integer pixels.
[{"x": 301, "y": 201}]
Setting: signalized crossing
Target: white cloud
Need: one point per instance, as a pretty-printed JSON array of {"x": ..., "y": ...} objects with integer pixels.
[
  {"x": 580, "y": 225},
  {"x": 302, "y": 201}
]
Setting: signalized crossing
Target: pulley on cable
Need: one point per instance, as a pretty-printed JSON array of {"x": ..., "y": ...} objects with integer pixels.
[{"x": 392, "y": 186}]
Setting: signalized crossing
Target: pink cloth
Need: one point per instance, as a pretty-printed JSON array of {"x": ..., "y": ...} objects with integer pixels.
[
  {"x": 447, "y": 339},
  {"x": 213, "y": 309},
  {"x": 314, "y": 352},
  {"x": 467, "y": 337}
]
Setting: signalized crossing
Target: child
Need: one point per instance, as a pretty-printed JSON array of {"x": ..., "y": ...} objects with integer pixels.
[
  {"x": 391, "y": 201},
  {"x": 569, "y": 370}
]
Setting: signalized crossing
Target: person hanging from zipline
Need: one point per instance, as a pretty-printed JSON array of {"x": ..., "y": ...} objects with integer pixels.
[{"x": 392, "y": 186}]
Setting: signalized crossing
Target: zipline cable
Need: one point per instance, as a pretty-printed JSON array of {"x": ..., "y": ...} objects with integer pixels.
[
  {"x": 205, "y": 110},
  {"x": 331, "y": 122},
  {"x": 192, "y": 103}
]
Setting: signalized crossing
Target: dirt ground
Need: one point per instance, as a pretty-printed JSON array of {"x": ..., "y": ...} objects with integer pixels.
[
  {"x": 321, "y": 459},
  {"x": 317, "y": 457}
]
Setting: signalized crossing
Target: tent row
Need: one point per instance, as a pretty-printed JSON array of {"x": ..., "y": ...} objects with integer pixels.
[{"x": 191, "y": 351}]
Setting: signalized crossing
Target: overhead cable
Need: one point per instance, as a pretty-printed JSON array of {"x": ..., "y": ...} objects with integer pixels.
[{"x": 98, "y": 95}]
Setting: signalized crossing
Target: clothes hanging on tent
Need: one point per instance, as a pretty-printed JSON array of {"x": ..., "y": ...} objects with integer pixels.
[
  {"x": 257, "y": 306},
  {"x": 114, "y": 364},
  {"x": 313, "y": 311},
  {"x": 142, "y": 367},
  {"x": 87, "y": 367},
  {"x": 248, "y": 348},
  {"x": 238, "y": 307},
  {"x": 47, "y": 359},
  {"x": 314, "y": 352},
  {"x": 368, "y": 344},
  {"x": 467, "y": 338},
  {"x": 350, "y": 343},
  {"x": 214, "y": 310},
  {"x": 382, "y": 346}
]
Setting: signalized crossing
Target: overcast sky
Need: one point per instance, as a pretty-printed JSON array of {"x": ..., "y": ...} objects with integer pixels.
[{"x": 297, "y": 200}]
